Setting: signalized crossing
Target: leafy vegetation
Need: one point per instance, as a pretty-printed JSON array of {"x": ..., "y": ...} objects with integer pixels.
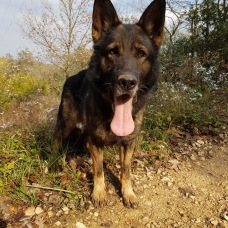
[
  {"x": 24, "y": 162},
  {"x": 195, "y": 48},
  {"x": 185, "y": 109},
  {"x": 19, "y": 87}
]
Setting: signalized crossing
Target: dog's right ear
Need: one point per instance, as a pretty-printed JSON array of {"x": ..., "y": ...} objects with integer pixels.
[{"x": 104, "y": 17}]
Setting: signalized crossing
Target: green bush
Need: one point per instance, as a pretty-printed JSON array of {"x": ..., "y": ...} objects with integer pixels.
[
  {"x": 178, "y": 108},
  {"x": 19, "y": 88}
]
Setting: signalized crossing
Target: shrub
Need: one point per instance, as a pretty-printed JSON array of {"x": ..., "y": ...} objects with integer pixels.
[
  {"x": 20, "y": 87},
  {"x": 184, "y": 109}
]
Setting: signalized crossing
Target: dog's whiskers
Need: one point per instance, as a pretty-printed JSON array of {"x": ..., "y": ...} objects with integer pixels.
[{"x": 143, "y": 88}]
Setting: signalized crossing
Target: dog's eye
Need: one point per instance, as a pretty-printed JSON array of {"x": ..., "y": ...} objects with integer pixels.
[
  {"x": 113, "y": 51},
  {"x": 141, "y": 53}
]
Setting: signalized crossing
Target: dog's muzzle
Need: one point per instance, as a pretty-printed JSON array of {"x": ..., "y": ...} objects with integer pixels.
[{"x": 122, "y": 123}]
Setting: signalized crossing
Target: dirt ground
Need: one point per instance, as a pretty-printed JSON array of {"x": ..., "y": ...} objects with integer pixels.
[{"x": 191, "y": 191}]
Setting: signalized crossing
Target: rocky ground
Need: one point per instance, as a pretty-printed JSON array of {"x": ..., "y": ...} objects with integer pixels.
[{"x": 190, "y": 191}]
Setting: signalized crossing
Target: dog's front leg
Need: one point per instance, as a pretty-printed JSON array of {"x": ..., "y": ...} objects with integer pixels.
[
  {"x": 99, "y": 195},
  {"x": 129, "y": 197}
]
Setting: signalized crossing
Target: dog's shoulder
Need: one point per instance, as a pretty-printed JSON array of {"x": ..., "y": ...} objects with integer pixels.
[{"x": 75, "y": 80}]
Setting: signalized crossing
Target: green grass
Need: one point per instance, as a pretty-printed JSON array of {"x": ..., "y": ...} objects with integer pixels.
[
  {"x": 23, "y": 165},
  {"x": 26, "y": 155},
  {"x": 19, "y": 87}
]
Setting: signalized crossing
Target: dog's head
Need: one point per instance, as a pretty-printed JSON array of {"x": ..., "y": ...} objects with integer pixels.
[{"x": 127, "y": 55}]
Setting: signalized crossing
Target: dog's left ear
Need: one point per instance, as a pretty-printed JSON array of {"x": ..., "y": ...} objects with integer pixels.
[
  {"x": 104, "y": 17},
  {"x": 153, "y": 19}
]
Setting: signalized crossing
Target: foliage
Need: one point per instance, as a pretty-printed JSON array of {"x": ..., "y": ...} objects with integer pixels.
[
  {"x": 19, "y": 87},
  {"x": 195, "y": 49},
  {"x": 180, "y": 108},
  {"x": 22, "y": 164},
  {"x": 211, "y": 29}
]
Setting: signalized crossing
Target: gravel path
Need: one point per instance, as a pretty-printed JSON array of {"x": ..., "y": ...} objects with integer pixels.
[{"x": 192, "y": 191}]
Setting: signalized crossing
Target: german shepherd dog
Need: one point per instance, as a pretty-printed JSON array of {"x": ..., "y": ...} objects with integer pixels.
[{"x": 106, "y": 102}]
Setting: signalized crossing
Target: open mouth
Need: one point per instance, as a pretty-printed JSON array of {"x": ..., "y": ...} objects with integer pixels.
[{"x": 122, "y": 123}]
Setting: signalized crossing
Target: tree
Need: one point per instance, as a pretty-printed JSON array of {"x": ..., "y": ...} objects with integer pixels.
[
  {"x": 206, "y": 43},
  {"x": 60, "y": 33}
]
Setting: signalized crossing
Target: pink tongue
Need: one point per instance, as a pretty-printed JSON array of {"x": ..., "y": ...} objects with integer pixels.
[{"x": 122, "y": 123}]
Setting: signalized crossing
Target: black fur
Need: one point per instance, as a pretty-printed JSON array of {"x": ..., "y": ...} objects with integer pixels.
[{"x": 124, "y": 63}]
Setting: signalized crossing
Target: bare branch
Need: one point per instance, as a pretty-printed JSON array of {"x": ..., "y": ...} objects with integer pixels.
[{"x": 59, "y": 31}]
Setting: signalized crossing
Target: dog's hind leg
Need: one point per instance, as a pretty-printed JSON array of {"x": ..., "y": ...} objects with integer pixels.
[
  {"x": 99, "y": 195},
  {"x": 129, "y": 197}
]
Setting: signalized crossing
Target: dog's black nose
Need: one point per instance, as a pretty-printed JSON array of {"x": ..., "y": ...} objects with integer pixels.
[{"x": 127, "y": 83}]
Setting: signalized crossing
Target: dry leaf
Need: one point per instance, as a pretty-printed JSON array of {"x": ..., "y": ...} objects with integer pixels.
[{"x": 175, "y": 164}]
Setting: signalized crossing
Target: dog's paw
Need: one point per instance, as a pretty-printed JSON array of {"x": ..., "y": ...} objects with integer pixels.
[
  {"x": 99, "y": 198},
  {"x": 130, "y": 200}
]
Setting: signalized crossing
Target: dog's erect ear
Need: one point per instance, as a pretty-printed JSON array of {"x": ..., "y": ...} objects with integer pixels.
[
  {"x": 153, "y": 19},
  {"x": 104, "y": 17}
]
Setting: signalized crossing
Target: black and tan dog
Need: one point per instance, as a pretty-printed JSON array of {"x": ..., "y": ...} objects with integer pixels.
[{"x": 106, "y": 102}]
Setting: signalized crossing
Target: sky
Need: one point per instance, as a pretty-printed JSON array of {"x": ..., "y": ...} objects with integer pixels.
[{"x": 11, "y": 39}]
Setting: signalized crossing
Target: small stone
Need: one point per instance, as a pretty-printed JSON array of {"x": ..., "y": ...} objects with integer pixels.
[
  {"x": 201, "y": 142},
  {"x": 198, "y": 220},
  {"x": 58, "y": 223},
  {"x": 197, "y": 144},
  {"x": 50, "y": 214},
  {"x": 192, "y": 197},
  {"x": 30, "y": 211},
  {"x": 225, "y": 215},
  {"x": 80, "y": 225},
  {"x": 65, "y": 209},
  {"x": 181, "y": 213},
  {"x": 95, "y": 214},
  {"x": 192, "y": 157},
  {"x": 214, "y": 222},
  {"x": 202, "y": 159},
  {"x": 39, "y": 210},
  {"x": 210, "y": 153},
  {"x": 59, "y": 213},
  {"x": 166, "y": 179},
  {"x": 145, "y": 219}
]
